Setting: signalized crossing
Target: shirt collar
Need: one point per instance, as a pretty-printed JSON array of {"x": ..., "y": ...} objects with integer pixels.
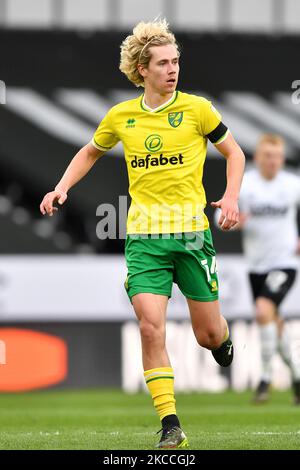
[{"x": 153, "y": 110}]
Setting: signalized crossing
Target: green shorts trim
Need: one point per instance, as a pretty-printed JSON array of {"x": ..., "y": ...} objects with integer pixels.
[{"x": 189, "y": 260}]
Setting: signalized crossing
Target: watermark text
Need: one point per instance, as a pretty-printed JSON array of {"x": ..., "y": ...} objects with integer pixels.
[
  {"x": 2, "y": 92},
  {"x": 296, "y": 95}
]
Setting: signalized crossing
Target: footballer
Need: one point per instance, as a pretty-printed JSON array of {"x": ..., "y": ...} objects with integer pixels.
[{"x": 164, "y": 133}]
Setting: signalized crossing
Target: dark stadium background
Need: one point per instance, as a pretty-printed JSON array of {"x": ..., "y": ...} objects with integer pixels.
[{"x": 56, "y": 65}]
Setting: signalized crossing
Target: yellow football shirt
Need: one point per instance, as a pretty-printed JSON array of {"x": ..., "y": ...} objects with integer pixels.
[{"x": 165, "y": 150}]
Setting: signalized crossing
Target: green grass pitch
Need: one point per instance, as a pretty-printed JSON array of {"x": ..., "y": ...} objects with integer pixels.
[{"x": 110, "y": 419}]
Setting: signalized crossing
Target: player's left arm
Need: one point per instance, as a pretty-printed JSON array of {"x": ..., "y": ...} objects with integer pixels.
[{"x": 235, "y": 164}]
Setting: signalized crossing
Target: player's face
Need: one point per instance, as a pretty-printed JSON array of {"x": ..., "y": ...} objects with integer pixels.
[
  {"x": 269, "y": 159},
  {"x": 161, "y": 75}
]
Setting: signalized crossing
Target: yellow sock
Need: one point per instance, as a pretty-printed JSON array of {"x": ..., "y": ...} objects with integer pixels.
[
  {"x": 160, "y": 383},
  {"x": 226, "y": 334}
]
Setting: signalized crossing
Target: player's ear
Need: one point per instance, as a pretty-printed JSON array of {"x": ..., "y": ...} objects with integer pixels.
[
  {"x": 142, "y": 70},
  {"x": 256, "y": 156}
]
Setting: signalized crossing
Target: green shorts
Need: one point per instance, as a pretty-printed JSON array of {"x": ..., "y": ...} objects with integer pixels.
[{"x": 189, "y": 260}]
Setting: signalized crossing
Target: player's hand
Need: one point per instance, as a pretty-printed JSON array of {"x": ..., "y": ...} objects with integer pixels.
[
  {"x": 229, "y": 212},
  {"x": 243, "y": 217},
  {"x": 298, "y": 247},
  {"x": 47, "y": 204}
]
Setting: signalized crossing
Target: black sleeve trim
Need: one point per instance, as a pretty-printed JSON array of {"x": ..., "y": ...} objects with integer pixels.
[{"x": 217, "y": 133}]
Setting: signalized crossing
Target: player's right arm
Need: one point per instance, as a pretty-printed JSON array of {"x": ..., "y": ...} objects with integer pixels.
[{"x": 79, "y": 166}]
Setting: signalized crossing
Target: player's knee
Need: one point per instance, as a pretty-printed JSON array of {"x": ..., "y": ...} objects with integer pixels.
[
  {"x": 265, "y": 311},
  {"x": 210, "y": 339},
  {"x": 261, "y": 317},
  {"x": 150, "y": 332}
]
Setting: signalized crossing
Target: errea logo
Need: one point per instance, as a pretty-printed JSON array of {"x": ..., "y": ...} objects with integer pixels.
[{"x": 130, "y": 123}]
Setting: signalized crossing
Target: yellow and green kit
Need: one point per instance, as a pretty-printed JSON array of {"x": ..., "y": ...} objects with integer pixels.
[
  {"x": 189, "y": 260},
  {"x": 165, "y": 150}
]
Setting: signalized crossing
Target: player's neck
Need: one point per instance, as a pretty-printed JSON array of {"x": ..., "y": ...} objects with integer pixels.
[
  {"x": 268, "y": 176},
  {"x": 154, "y": 100}
]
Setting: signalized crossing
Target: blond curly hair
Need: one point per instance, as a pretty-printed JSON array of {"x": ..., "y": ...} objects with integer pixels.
[{"x": 135, "y": 49}]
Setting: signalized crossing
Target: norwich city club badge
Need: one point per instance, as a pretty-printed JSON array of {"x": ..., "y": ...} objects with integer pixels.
[{"x": 175, "y": 119}]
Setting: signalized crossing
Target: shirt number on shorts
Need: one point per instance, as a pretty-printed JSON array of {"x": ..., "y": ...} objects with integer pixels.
[{"x": 210, "y": 270}]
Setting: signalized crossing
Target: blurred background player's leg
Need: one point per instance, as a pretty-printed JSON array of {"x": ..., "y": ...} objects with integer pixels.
[
  {"x": 289, "y": 351},
  {"x": 273, "y": 336},
  {"x": 266, "y": 319}
]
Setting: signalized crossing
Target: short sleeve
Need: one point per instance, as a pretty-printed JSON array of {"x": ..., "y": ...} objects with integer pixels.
[
  {"x": 105, "y": 137},
  {"x": 209, "y": 118}
]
